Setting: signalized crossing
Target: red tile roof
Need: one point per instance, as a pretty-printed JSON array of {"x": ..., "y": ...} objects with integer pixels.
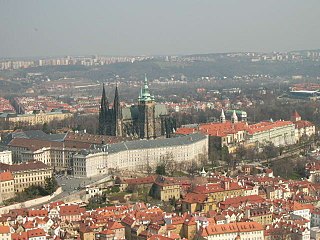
[
  {"x": 70, "y": 210},
  {"x": 38, "y": 213},
  {"x": 6, "y": 176},
  {"x": 194, "y": 198},
  {"x": 141, "y": 180},
  {"x": 223, "y": 129},
  {"x": 303, "y": 124},
  {"x": 214, "y": 229},
  {"x": 4, "y": 229},
  {"x": 25, "y": 166},
  {"x": 36, "y": 233},
  {"x": 266, "y": 126},
  {"x": 237, "y": 201},
  {"x": 19, "y": 236}
]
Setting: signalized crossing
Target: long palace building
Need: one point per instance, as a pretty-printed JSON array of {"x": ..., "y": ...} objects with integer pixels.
[{"x": 146, "y": 120}]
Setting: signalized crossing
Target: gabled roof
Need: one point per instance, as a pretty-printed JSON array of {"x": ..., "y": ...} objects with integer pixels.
[
  {"x": 19, "y": 236},
  {"x": 194, "y": 198},
  {"x": 303, "y": 124},
  {"x": 38, "y": 213},
  {"x": 36, "y": 233},
  {"x": 70, "y": 210}
]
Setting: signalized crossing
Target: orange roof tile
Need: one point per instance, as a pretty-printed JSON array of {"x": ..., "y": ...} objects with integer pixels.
[
  {"x": 4, "y": 229},
  {"x": 69, "y": 210},
  {"x": 6, "y": 176}
]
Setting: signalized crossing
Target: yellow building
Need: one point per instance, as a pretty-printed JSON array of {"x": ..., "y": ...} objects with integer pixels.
[
  {"x": 10, "y": 121},
  {"x": 220, "y": 191},
  {"x": 261, "y": 214},
  {"x": 198, "y": 202},
  {"x": 165, "y": 189},
  {"x": 27, "y": 174},
  {"x": 6, "y": 186}
]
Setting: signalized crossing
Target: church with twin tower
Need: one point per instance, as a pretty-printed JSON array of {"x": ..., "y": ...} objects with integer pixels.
[{"x": 145, "y": 120}]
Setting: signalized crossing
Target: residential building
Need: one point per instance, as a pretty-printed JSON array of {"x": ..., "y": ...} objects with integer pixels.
[
  {"x": 28, "y": 174},
  {"x": 238, "y": 230},
  {"x": 260, "y": 214},
  {"x": 303, "y": 129},
  {"x": 198, "y": 202},
  {"x": 6, "y": 186},
  {"x": 11, "y": 121},
  {"x": 70, "y": 213},
  {"x": 5, "y": 233},
  {"x": 165, "y": 189},
  {"x": 36, "y": 234},
  {"x": 220, "y": 191}
]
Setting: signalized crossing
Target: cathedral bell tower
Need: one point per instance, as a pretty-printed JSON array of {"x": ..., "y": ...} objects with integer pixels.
[
  {"x": 105, "y": 115},
  {"x": 146, "y": 106},
  {"x": 117, "y": 114}
]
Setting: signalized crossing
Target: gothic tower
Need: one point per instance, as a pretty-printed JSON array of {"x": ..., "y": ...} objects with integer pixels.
[
  {"x": 146, "y": 106},
  {"x": 105, "y": 115},
  {"x": 117, "y": 114}
]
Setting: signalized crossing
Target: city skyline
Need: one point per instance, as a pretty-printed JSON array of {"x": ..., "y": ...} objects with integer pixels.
[{"x": 59, "y": 28}]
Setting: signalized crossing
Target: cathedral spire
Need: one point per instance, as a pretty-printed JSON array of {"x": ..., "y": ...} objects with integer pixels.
[
  {"x": 117, "y": 114},
  {"x": 103, "y": 98},
  {"x": 145, "y": 95},
  {"x": 116, "y": 103},
  {"x": 103, "y": 113}
]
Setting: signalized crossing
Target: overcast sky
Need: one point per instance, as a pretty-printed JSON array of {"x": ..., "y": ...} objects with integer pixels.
[{"x": 138, "y": 27}]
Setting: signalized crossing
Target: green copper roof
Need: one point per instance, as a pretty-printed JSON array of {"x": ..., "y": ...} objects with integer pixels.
[{"x": 145, "y": 95}]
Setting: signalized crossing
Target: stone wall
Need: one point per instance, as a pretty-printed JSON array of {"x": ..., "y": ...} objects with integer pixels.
[{"x": 31, "y": 203}]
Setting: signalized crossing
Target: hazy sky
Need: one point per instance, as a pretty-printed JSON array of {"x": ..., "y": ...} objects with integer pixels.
[{"x": 137, "y": 27}]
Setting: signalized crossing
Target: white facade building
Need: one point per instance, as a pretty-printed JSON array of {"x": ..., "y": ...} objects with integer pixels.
[
  {"x": 137, "y": 155},
  {"x": 6, "y": 157}
]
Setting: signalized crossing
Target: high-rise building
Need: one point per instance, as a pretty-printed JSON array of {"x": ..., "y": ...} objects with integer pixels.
[{"x": 145, "y": 120}]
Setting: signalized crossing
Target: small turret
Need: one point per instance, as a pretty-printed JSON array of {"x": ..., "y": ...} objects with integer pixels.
[
  {"x": 234, "y": 117},
  {"x": 295, "y": 116},
  {"x": 222, "y": 117}
]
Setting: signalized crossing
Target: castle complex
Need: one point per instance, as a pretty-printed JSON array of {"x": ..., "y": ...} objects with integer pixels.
[{"x": 146, "y": 120}]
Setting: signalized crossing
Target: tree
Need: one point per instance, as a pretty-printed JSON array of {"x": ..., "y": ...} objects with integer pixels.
[
  {"x": 46, "y": 128},
  {"x": 241, "y": 152},
  {"x": 50, "y": 185},
  {"x": 270, "y": 150},
  {"x": 115, "y": 189},
  {"x": 161, "y": 169},
  {"x": 192, "y": 167},
  {"x": 167, "y": 165},
  {"x": 225, "y": 155}
]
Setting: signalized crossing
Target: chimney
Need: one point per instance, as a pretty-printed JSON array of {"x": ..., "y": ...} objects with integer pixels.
[{"x": 226, "y": 185}]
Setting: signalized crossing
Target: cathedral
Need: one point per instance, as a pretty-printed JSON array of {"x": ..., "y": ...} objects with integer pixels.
[{"x": 145, "y": 120}]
